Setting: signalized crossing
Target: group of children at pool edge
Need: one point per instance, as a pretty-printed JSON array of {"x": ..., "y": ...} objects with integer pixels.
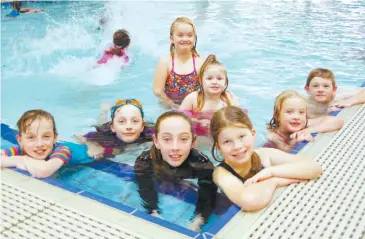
[{"x": 247, "y": 176}]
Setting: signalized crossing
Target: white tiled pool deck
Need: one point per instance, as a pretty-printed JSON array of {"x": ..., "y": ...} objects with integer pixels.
[{"x": 330, "y": 207}]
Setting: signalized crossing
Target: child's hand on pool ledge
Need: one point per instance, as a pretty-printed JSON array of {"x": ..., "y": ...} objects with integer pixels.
[
  {"x": 155, "y": 214},
  {"x": 197, "y": 223}
]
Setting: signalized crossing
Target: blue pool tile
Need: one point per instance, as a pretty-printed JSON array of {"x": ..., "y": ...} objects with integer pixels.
[
  {"x": 21, "y": 171},
  {"x": 101, "y": 164},
  {"x": 108, "y": 202},
  {"x": 204, "y": 235},
  {"x": 223, "y": 219},
  {"x": 62, "y": 185},
  {"x": 164, "y": 223},
  {"x": 334, "y": 113}
]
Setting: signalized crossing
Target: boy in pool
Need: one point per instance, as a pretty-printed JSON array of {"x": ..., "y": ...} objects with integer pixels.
[
  {"x": 321, "y": 88},
  {"x": 38, "y": 153}
]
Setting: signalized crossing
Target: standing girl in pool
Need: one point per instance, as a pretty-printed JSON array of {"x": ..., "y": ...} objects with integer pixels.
[
  {"x": 290, "y": 124},
  {"x": 248, "y": 176},
  {"x": 176, "y": 75},
  {"x": 212, "y": 95},
  {"x": 172, "y": 159}
]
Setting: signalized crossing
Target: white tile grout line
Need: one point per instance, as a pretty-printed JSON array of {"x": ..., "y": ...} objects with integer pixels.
[{"x": 135, "y": 210}]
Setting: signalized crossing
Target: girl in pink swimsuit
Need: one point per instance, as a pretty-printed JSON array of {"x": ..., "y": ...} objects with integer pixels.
[
  {"x": 172, "y": 82},
  {"x": 212, "y": 95},
  {"x": 290, "y": 124},
  {"x": 121, "y": 41}
]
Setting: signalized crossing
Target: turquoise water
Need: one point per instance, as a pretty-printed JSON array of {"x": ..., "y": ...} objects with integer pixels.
[{"x": 267, "y": 47}]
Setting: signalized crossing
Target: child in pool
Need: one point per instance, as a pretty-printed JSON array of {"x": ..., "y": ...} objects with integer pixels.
[
  {"x": 212, "y": 96},
  {"x": 321, "y": 88},
  {"x": 177, "y": 75},
  {"x": 38, "y": 153},
  {"x": 248, "y": 176},
  {"x": 172, "y": 159},
  {"x": 126, "y": 126},
  {"x": 121, "y": 42},
  {"x": 290, "y": 124},
  {"x": 17, "y": 9}
]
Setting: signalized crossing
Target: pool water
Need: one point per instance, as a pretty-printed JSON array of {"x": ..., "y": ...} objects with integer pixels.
[{"x": 47, "y": 62}]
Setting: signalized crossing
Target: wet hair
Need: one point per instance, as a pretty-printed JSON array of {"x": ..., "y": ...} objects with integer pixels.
[
  {"x": 17, "y": 5},
  {"x": 172, "y": 28},
  {"x": 155, "y": 153},
  {"x": 104, "y": 133},
  {"x": 321, "y": 72},
  {"x": 274, "y": 122},
  {"x": 121, "y": 40},
  {"x": 231, "y": 116},
  {"x": 30, "y": 116},
  {"x": 211, "y": 61}
]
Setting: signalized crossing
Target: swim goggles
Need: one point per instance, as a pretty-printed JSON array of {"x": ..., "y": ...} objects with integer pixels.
[{"x": 120, "y": 103}]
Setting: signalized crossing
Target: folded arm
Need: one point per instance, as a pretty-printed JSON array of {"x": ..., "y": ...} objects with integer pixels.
[{"x": 324, "y": 124}]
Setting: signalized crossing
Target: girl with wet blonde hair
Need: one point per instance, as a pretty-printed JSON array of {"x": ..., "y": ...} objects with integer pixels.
[
  {"x": 176, "y": 75},
  {"x": 290, "y": 124}
]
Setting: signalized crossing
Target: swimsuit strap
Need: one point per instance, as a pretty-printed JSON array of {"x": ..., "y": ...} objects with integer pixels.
[
  {"x": 231, "y": 170},
  {"x": 286, "y": 140}
]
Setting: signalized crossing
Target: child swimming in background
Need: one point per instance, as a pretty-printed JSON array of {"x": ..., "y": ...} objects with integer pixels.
[
  {"x": 17, "y": 9},
  {"x": 126, "y": 126},
  {"x": 176, "y": 75},
  {"x": 290, "y": 124},
  {"x": 121, "y": 41},
  {"x": 171, "y": 159},
  {"x": 248, "y": 176},
  {"x": 38, "y": 152},
  {"x": 212, "y": 96},
  {"x": 321, "y": 88}
]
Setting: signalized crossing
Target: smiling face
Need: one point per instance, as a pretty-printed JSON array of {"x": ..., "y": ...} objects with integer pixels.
[
  {"x": 321, "y": 90},
  {"x": 38, "y": 139},
  {"x": 183, "y": 37},
  {"x": 127, "y": 123},
  {"x": 293, "y": 115},
  {"x": 236, "y": 144},
  {"x": 214, "y": 80},
  {"x": 174, "y": 142}
]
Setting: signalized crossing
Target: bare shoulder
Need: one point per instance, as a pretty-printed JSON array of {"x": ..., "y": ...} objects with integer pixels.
[
  {"x": 218, "y": 173},
  {"x": 264, "y": 154},
  {"x": 199, "y": 60},
  {"x": 165, "y": 60}
]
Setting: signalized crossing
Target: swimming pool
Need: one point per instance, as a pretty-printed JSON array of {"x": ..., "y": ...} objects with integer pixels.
[{"x": 267, "y": 47}]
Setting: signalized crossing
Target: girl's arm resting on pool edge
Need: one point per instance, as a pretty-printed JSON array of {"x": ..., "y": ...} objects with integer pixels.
[
  {"x": 249, "y": 198},
  {"x": 284, "y": 165},
  {"x": 10, "y": 161},
  {"x": 324, "y": 124},
  {"x": 37, "y": 168},
  {"x": 41, "y": 168}
]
